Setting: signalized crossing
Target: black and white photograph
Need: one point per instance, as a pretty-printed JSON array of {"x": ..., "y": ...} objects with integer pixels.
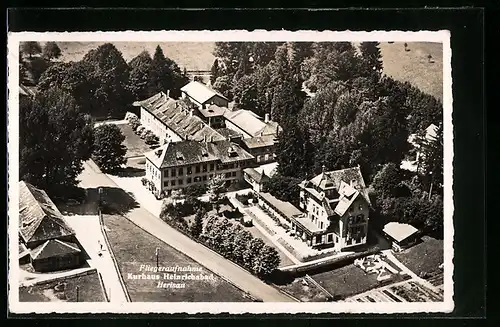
[{"x": 230, "y": 171}]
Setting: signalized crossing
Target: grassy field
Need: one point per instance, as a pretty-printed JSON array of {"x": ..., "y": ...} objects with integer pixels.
[
  {"x": 132, "y": 247},
  {"x": 413, "y": 66},
  {"x": 424, "y": 257},
  {"x": 89, "y": 290},
  {"x": 192, "y": 55}
]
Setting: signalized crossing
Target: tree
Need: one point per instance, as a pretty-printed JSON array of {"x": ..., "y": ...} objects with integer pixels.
[
  {"x": 431, "y": 161},
  {"x": 294, "y": 150},
  {"x": 266, "y": 262},
  {"x": 285, "y": 188},
  {"x": 197, "y": 226},
  {"x": 51, "y": 51},
  {"x": 215, "y": 189},
  {"x": 109, "y": 152},
  {"x": 214, "y": 71},
  {"x": 140, "y": 69},
  {"x": 223, "y": 85},
  {"x": 165, "y": 74},
  {"x": 72, "y": 78},
  {"x": 55, "y": 138},
  {"x": 372, "y": 58},
  {"x": 387, "y": 181},
  {"x": 251, "y": 253},
  {"x": 31, "y": 48},
  {"x": 241, "y": 241},
  {"x": 109, "y": 76},
  {"x": 245, "y": 90}
]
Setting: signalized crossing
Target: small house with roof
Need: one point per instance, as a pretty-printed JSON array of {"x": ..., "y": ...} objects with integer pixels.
[
  {"x": 44, "y": 233},
  {"x": 203, "y": 96},
  {"x": 336, "y": 206},
  {"x": 402, "y": 236}
]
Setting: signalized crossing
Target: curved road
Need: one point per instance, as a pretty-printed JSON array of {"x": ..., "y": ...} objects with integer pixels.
[{"x": 92, "y": 177}]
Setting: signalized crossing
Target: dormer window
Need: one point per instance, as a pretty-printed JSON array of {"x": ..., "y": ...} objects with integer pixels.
[
  {"x": 204, "y": 153},
  {"x": 180, "y": 156}
]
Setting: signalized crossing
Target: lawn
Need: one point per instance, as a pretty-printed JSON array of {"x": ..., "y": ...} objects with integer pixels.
[
  {"x": 192, "y": 55},
  {"x": 134, "y": 247},
  {"x": 350, "y": 280},
  {"x": 134, "y": 144},
  {"x": 413, "y": 66},
  {"x": 89, "y": 290},
  {"x": 304, "y": 291},
  {"x": 424, "y": 257}
]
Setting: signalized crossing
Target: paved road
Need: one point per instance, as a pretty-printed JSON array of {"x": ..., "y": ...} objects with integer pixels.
[{"x": 92, "y": 177}]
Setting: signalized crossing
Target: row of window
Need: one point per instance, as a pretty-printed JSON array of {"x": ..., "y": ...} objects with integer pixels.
[{"x": 196, "y": 179}]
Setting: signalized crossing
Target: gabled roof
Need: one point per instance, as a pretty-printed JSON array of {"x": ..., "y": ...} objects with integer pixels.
[
  {"x": 399, "y": 231},
  {"x": 349, "y": 184},
  {"x": 54, "y": 248},
  {"x": 259, "y": 177},
  {"x": 177, "y": 116},
  {"x": 39, "y": 218},
  {"x": 227, "y": 132},
  {"x": 200, "y": 92},
  {"x": 182, "y": 153},
  {"x": 247, "y": 120}
]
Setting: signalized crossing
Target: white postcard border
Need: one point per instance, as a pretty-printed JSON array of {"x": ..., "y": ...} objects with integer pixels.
[{"x": 15, "y": 306}]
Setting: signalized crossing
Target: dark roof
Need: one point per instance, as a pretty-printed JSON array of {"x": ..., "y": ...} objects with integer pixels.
[
  {"x": 178, "y": 117},
  {"x": 258, "y": 177},
  {"x": 260, "y": 141},
  {"x": 200, "y": 92},
  {"x": 39, "y": 218},
  {"x": 227, "y": 132},
  {"x": 183, "y": 153},
  {"x": 212, "y": 111},
  {"x": 285, "y": 208},
  {"x": 53, "y": 248}
]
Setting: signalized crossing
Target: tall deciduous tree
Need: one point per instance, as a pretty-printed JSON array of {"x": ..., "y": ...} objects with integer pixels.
[
  {"x": 293, "y": 149},
  {"x": 109, "y": 76},
  {"x": 215, "y": 189},
  {"x": 109, "y": 151},
  {"x": 165, "y": 74},
  {"x": 54, "y": 140},
  {"x": 51, "y": 51},
  {"x": 266, "y": 262},
  {"x": 197, "y": 226},
  {"x": 140, "y": 72},
  {"x": 31, "y": 48}
]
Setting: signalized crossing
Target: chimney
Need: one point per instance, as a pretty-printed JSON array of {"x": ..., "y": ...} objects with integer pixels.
[
  {"x": 191, "y": 113},
  {"x": 211, "y": 138},
  {"x": 323, "y": 168},
  {"x": 168, "y": 93},
  {"x": 205, "y": 138},
  {"x": 266, "y": 118}
]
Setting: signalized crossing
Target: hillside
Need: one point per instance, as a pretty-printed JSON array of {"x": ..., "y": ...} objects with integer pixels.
[{"x": 192, "y": 55}]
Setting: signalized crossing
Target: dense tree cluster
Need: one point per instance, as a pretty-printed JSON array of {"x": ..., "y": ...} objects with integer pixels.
[
  {"x": 353, "y": 115},
  {"x": 104, "y": 85},
  {"x": 238, "y": 245}
]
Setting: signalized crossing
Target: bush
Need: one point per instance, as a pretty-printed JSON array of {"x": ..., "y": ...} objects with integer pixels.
[
  {"x": 195, "y": 190},
  {"x": 239, "y": 246}
]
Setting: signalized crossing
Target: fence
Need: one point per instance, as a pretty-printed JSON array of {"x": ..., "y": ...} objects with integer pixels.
[{"x": 115, "y": 263}]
